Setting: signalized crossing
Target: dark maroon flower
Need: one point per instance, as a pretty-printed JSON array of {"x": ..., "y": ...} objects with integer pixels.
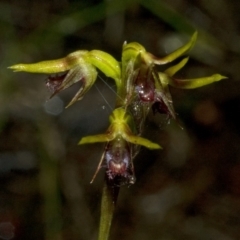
[
  {"x": 119, "y": 162},
  {"x": 53, "y": 83}
]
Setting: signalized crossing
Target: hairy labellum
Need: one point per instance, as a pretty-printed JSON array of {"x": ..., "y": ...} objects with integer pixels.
[
  {"x": 150, "y": 89},
  {"x": 139, "y": 111},
  {"x": 163, "y": 103},
  {"x": 145, "y": 92},
  {"x": 144, "y": 84},
  {"x": 119, "y": 162},
  {"x": 160, "y": 107},
  {"x": 54, "y": 82}
]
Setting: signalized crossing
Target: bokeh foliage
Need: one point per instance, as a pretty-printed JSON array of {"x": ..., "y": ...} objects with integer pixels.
[{"x": 190, "y": 190}]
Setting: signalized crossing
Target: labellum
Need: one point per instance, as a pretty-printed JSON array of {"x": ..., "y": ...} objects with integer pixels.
[
  {"x": 119, "y": 164},
  {"x": 54, "y": 82},
  {"x": 151, "y": 90},
  {"x": 145, "y": 86}
]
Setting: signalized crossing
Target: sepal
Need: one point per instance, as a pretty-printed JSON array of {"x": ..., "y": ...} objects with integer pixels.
[
  {"x": 52, "y": 66},
  {"x": 119, "y": 128}
]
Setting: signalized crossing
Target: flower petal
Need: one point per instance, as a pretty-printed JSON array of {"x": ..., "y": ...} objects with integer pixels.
[
  {"x": 86, "y": 73},
  {"x": 174, "y": 69},
  {"x": 96, "y": 138},
  {"x": 195, "y": 82},
  {"x": 179, "y": 52},
  {"x": 163, "y": 95}
]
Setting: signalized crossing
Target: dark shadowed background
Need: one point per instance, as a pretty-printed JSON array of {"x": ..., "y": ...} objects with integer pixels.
[{"x": 189, "y": 190}]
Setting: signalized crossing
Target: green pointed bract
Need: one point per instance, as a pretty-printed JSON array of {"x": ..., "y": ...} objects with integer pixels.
[{"x": 195, "y": 82}]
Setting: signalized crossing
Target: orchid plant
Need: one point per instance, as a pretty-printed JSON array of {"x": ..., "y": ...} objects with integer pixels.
[{"x": 140, "y": 88}]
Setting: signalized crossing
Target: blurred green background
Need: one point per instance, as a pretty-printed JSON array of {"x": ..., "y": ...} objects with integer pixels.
[{"x": 189, "y": 190}]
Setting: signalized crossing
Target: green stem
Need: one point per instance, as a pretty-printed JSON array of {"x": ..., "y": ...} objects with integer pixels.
[{"x": 109, "y": 198}]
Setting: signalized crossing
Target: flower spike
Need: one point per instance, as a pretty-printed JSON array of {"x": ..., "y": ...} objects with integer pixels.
[{"x": 139, "y": 88}]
